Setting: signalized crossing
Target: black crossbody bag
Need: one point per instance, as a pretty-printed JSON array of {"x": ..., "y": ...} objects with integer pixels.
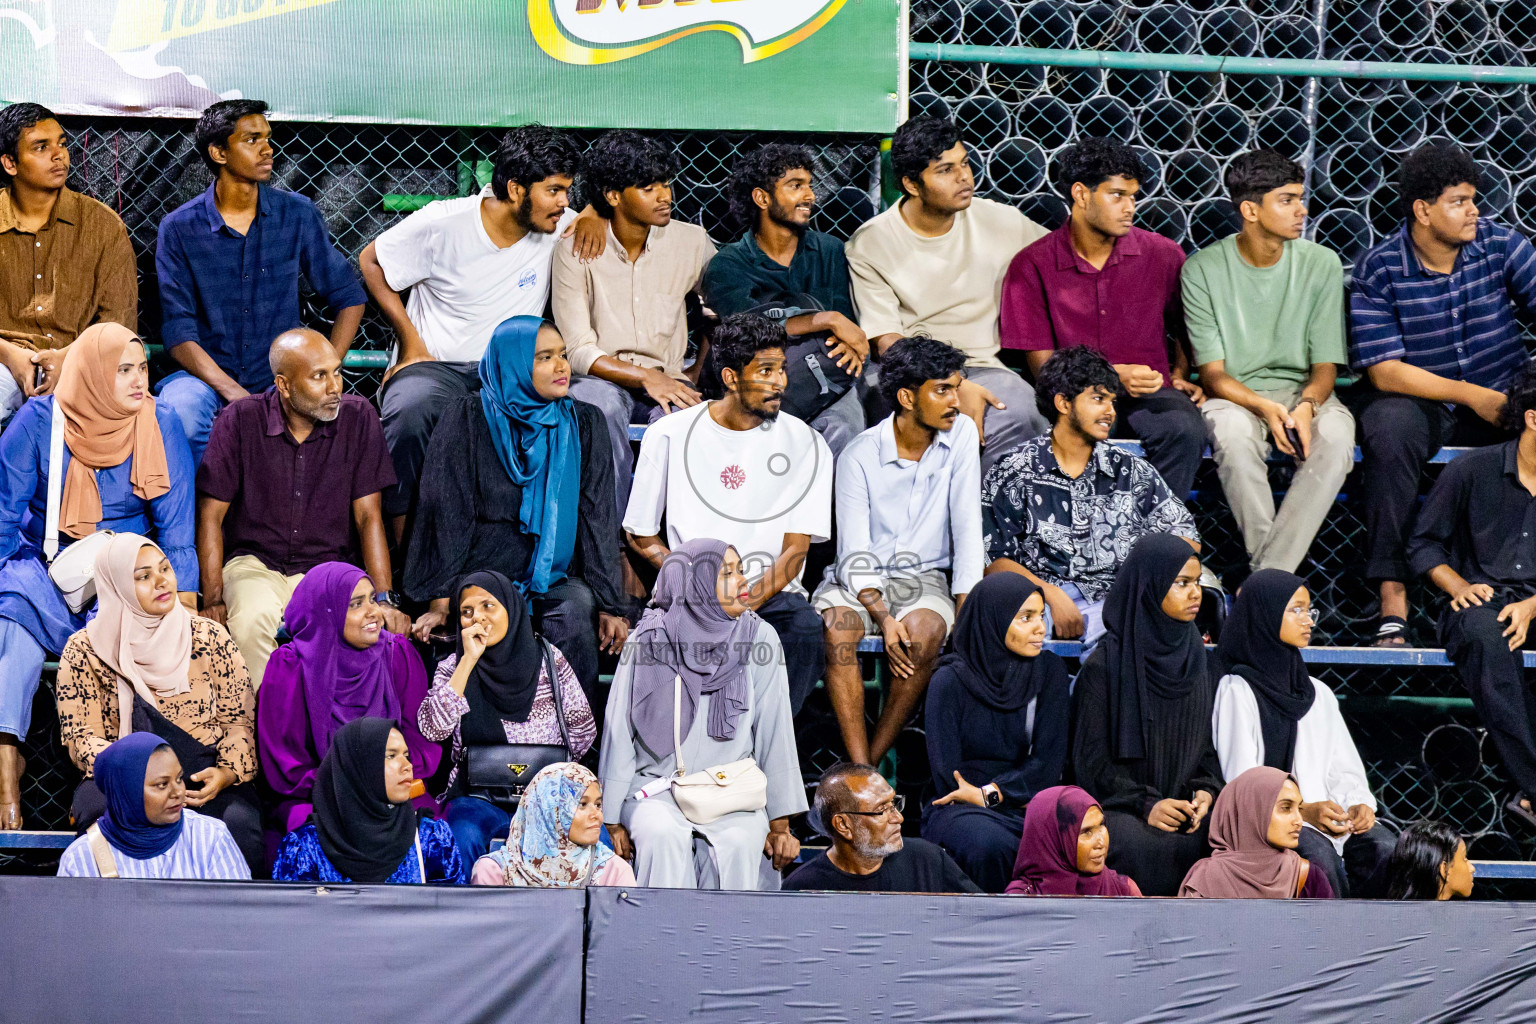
[{"x": 500, "y": 772}]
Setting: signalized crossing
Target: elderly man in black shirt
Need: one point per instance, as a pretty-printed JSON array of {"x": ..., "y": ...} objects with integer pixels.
[
  {"x": 1475, "y": 542},
  {"x": 857, "y": 809}
]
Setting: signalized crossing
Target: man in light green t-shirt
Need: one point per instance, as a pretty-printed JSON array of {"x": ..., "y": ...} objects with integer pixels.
[{"x": 1265, "y": 311}]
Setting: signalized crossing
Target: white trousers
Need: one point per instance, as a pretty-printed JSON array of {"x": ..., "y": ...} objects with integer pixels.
[{"x": 672, "y": 852}]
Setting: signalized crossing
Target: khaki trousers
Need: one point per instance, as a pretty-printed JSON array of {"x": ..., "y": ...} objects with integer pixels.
[{"x": 254, "y": 600}]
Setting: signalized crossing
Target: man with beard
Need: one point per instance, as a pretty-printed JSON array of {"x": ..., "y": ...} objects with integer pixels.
[
  {"x": 65, "y": 259},
  {"x": 229, "y": 263},
  {"x": 908, "y": 539},
  {"x": 934, "y": 263},
  {"x": 470, "y": 264},
  {"x": 287, "y": 476},
  {"x": 1100, "y": 281},
  {"x": 624, "y": 315},
  {"x": 738, "y": 471},
  {"x": 857, "y": 809},
  {"x": 781, "y": 262},
  {"x": 1064, "y": 509}
]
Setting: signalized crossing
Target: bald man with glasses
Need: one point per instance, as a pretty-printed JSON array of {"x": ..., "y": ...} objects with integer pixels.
[{"x": 861, "y": 814}]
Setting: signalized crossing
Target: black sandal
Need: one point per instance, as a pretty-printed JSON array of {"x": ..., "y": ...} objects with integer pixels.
[{"x": 1391, "y": 631}]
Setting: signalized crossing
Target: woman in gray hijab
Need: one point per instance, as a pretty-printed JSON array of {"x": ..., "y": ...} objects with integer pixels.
[{"x": 733, "y": 704}]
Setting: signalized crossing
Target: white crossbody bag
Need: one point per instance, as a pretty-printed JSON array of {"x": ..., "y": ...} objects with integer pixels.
[
  {"x": 713, "y": 793},
  {"x": 74, "y": 571}
]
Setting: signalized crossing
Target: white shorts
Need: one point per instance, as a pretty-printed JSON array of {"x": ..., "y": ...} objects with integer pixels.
[{"x": 903, "y": 594}]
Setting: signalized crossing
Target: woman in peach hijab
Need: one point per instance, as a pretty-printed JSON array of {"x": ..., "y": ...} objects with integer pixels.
[{"x": 125, "y": 467}]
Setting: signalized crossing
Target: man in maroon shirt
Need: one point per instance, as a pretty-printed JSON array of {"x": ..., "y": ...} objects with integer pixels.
[
  {"x": 1100, "y": 282},
  {"x": 291, "y": 478}
]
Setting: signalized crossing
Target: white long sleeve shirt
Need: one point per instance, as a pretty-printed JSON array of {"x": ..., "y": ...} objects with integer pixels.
[{"x": 1326, "y": 766}]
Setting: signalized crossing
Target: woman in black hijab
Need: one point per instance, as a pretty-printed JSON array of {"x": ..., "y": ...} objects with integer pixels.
[
  {"x": 1270, "y": 711},
  {"x": 1142, "y": 744},
  {"x": 996, "y": 726},
  {"x": 364, "y": 828},
  {"x": 498, "y": 688}
]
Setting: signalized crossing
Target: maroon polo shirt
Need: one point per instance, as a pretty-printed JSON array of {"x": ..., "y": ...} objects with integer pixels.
[
  {"x": 290, "y": 504},
  {"x": 1054, "y": 299}
]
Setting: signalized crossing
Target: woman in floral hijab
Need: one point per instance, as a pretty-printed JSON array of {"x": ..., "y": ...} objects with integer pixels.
[{"x": 556, "y": 839}]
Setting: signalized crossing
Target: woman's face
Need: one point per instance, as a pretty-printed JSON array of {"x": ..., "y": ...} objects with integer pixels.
[
  {"x": 1296, "y": 623},
  {"x": 364, "y": 618},
  {"x": 1182, "y": 602},
  {"x": 477, "y": 605},
  {"x": 1092, "y": 843},
  {"x": 131, "y": 383},
  {"x": 165, "y": 792},
  {"x": 587, "y": 822},
  {"x": 731, "y": 584},
  {"x": 154, "y": 581},
  {"x": 551, "y": 370},
  {"x": 1285, "y": 821},
  {"x": 1456, "y": 877},
  {"x": 398, "y": 773},
  {"x": 1026, "y": 633}
]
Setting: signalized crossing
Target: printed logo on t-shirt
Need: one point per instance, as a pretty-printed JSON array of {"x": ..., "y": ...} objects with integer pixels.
[
  {"x": 732, "y": 477},
  {"x": 528, "y": 278}
]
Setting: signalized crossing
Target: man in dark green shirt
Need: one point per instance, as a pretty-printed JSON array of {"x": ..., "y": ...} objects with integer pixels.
[{"x": 781, "y": 261}]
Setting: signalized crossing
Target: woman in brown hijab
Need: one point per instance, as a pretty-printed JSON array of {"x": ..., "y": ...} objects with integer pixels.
[
  {"x": 1255, "y": 829},
  {"x": 125, "y": 467}
]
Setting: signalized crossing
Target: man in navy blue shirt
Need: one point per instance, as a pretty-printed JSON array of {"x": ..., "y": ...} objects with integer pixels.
[
  {"x": 229, "y": 263},
  {"x": 1432, "y": 325}
]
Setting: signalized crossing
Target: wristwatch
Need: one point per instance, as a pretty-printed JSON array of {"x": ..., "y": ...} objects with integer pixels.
[
  {"x": 993, "y": 795},
  {"x": 388, "y": 597},
  {"x": 1307, "y": 400}
]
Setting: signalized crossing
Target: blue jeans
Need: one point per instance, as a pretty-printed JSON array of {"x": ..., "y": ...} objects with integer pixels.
[
  {"x": 195, "y": 404},
  {"x": 21, "y": 669},
  {"x": 475, "y": 822}
]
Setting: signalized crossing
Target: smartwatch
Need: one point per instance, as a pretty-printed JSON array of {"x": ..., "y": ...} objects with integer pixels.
[
  {"x": 994, "y": 796},
  {"x": 388, "y": 597}
]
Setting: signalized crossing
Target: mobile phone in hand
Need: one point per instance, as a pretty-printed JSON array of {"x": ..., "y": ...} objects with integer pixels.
[
  {"x": 1294, "y": 436},
  {"x": 39, "y": 374}
]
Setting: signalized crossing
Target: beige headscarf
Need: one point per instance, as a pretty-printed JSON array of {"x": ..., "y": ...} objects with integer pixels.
[
  {"x": 152, "y": 652},
  {"x": 101, "y": 433}
]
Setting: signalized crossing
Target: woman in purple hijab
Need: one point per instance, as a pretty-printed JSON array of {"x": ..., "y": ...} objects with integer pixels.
[
  {"x": 1064, "y": 847},
  {"x": 340, "y": 665}
]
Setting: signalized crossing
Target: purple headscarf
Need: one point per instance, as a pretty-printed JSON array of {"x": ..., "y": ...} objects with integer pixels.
[
  {"x": 686, "y": 633},
  {"x": 341, "y": 683},
  {"x": 1047, "y": 862}
]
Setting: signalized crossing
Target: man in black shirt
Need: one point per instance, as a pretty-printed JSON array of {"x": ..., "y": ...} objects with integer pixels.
[
  {"x": 857, "y": 809},
  {"x": 1475, "y": 542}
]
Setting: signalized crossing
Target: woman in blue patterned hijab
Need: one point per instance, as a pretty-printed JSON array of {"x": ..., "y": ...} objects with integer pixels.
[{"x": 556, "y": 839}]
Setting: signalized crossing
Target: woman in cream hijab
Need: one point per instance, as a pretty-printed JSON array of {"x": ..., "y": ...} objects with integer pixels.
[{"x": 146, "y": 664}]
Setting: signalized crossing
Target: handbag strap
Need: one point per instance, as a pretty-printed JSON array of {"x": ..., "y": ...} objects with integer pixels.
[
  {"x": 101, "y": 850},
  {"x": 420, "y": 860},
  {"x": 677, "y": 715},
  {"x": 554, "y": 691},
  {"x": 55, "y": 482}
]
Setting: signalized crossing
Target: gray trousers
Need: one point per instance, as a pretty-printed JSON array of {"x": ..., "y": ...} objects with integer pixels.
[
  {"x": 839, "y": 424},
  {"x": 1240, "y": 443},
  {"x": 1006, "y": 429}
]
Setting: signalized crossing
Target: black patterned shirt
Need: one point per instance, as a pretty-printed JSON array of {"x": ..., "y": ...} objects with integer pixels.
[{"x": 1076, "y": 531}]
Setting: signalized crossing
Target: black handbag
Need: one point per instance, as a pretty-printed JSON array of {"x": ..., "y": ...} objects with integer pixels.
[{"x": 500, "y": 772}]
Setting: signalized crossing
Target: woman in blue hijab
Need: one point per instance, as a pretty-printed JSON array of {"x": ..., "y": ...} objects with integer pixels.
[
  {"x": 147, "y": 830},
  {"x": 512, "y": 483}
]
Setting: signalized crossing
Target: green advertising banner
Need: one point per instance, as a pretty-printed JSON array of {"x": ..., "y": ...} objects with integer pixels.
[{"x": 785, "y": 65}]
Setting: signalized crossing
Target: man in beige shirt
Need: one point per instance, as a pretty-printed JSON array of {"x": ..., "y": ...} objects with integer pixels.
[
  {"x": 65, "y": 259},
  {"x": 933, "y": 264},
  {"x": 624, "y": 314}
]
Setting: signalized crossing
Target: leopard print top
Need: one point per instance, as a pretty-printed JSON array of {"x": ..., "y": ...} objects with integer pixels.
[{"x": 219, "y": 710}]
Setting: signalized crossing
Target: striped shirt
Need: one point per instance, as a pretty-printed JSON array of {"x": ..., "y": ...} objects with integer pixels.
[
  {"x": 1459, "y": 325},
  {"x": 204, "y": 850}
]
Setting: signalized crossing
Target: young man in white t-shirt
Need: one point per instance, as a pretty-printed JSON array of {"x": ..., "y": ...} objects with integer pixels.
[
  {"x": 737, "y": 470},
  {"x": 470, "y": 264}
]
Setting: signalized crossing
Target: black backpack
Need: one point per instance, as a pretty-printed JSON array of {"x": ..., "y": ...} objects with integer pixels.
[{"x": 815, "y": 379}]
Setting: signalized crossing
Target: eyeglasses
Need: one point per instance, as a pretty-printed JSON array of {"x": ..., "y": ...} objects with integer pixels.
[
  {"x": 898, "y": 804},
  {"x": 1312, "y": 615}
]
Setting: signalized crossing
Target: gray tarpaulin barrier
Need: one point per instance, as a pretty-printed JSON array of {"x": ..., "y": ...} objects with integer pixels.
[
  {"x": 74, "y": 950},
  {"x": 757, "y": 958}
]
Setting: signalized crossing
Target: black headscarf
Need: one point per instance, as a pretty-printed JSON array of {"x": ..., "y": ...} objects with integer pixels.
[
  {"x": 980, "y": 659},
  {"x": 1147, "y": 653},
  {"x": 364, "y": 835},
  {"x": 1251, "y": 647},
  {"x": 504, "y": 681}
]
